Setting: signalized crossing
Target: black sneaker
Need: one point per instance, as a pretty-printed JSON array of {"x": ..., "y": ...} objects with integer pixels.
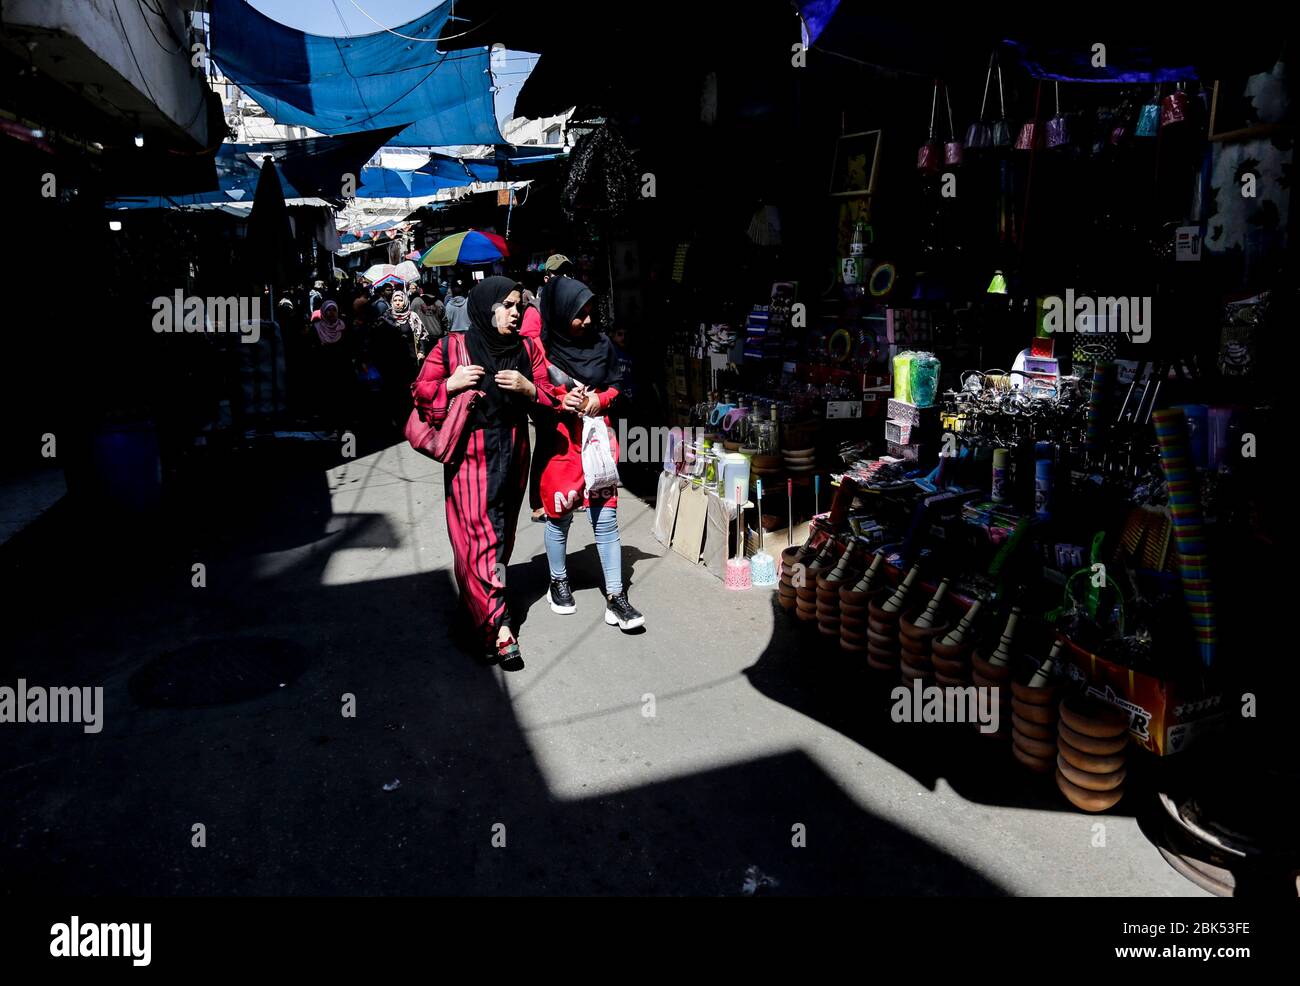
[
  {"x": 619, "y": 612},
  {"x": 561, "y": 598}
]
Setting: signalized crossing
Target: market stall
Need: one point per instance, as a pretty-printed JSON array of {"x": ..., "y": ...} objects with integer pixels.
[{"x": 1013, "y": 444}]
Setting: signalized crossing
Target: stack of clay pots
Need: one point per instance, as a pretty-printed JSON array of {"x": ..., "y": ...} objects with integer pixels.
[
  {"x": 786, "y": 594},
  {"x": 950, "y": 654},
  {"x": 883, "y": 616},
  {"x": 854, "y": 597},
  {"x": 829, "y": 584},
  {"x": 1033, "y": 717},
  {"x": 916, "y": 633},
  {"x": 806, "y": 595},
  {"x": 994, "y": 671},
  {"x": 1091, "y": 740}
]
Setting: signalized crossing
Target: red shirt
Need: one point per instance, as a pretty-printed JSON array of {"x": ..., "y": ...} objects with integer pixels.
[
  {"x": 532, "y": 324},
  {"x": 564, "y": 485}
]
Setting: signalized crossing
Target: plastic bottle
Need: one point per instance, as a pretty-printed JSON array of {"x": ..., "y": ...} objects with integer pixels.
[
  {"x": 1001, "y": 460},
  {"x": 1043, "y": 488}
]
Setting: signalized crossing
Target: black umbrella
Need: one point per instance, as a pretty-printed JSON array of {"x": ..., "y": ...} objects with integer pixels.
[{"x": 270, "y": 241}]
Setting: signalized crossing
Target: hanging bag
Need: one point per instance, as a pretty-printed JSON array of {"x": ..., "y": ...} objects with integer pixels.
[
  {"x": 1002, "y": 128},
  {"x": 1175, "y": 107},
  {"x": 979, "y": 134},
  {"x": 1031, "y": 133},
  {"x": 953, "y": 150},
  {"x": 1058, "y": 127},
  {"x": 1149, "y": 118},
  {"x": 446, "y": 442},
  {"x": 929, "y": 159}
]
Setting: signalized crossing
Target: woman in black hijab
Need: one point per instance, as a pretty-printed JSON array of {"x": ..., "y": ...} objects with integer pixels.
[
  {"x": 485, "y": 488},
  {"x": 584, "y": 369}
]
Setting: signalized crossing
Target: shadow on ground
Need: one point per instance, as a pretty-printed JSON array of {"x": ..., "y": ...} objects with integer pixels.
[{"x": 291, "y": 794}]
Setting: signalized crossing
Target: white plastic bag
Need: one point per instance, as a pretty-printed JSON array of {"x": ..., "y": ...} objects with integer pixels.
[{"x": 598, "y": 464}]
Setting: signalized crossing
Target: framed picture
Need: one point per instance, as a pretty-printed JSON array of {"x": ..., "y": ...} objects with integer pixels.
[{"x": 857, "y": 157}]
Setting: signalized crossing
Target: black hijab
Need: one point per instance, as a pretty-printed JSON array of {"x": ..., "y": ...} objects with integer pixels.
[
  {"x": 588, "y": 358},
  {"x": 493, "y": 351}
]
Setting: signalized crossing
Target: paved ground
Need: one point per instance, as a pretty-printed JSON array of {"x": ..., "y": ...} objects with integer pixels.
[
  {"x": 325, "y": 581},
  {"x": 25, "y": 497}
]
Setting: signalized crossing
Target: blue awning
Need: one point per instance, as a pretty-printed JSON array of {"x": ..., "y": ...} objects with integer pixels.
[
  {"x": 436, "y": 176},
  {"x": 393, "y": 183},
  {"x": 180, "y": 201},
  {"x": 816, "y": 15},
  {"x": 457, "y": 172},
  {"x": 344, "y": 84},
  {"x": 1128, "y": 64}
]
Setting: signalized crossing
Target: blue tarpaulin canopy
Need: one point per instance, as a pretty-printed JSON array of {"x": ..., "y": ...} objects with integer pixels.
[
  {"x": 394, "y": 183},
  {"x": 309, "y": 168},
  {"x": 344, "y": 84},
  {"x": 456, "y": 171},
  {"x": 180, "y": 201}
]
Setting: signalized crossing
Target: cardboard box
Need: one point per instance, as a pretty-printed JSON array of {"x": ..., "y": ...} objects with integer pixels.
[{"x": 1164, "y": 716}]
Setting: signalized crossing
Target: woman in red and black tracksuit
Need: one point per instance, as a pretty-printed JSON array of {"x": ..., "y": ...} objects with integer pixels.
[
  {"x": 485, "y": 487},
  {"x": 583, "y": 372}
]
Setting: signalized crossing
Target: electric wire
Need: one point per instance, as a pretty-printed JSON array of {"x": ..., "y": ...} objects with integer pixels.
[
  {"x": 450, "y": 37},
  {"x": 157, "y": 13}
]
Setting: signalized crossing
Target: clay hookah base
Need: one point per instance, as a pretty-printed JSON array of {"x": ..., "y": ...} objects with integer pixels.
[
  {"x": 1040, "y": 715},
  {"x": 1085, "y": 800},
  {"x": 1039, "y": 765}
]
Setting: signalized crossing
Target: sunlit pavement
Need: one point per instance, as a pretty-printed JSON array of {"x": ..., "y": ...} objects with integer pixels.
[{"x": 721, "y": 751}]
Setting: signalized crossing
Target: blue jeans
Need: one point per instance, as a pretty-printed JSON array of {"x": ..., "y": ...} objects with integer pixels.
[{"x": 604, "y": 521}]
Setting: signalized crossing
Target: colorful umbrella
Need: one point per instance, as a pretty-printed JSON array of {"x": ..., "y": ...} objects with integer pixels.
[
  {"x": 471, "y": 247},
  {"x": 407, "y": 271},
  {"x": 413, "y": 255},
  {"x": 377, "y": 272}
]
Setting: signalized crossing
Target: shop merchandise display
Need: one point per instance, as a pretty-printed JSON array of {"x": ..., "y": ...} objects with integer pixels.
[{"x": 1042, "y": 511}]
